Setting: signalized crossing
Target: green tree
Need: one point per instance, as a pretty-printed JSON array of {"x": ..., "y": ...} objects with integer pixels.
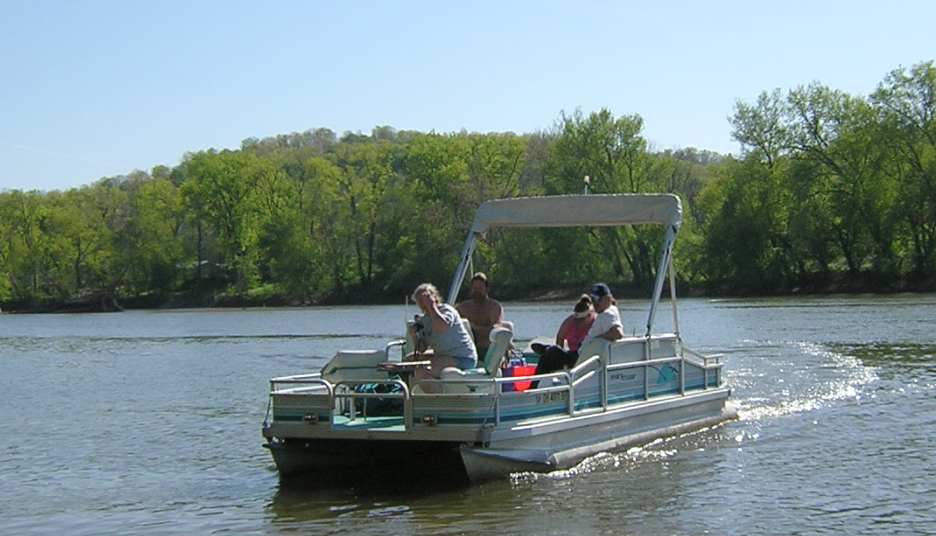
[
  {"x": 906, "y": 106},
  {"x": 325, "y": 216},
  {"x": 24, "y": 244},
  {"x": 837, "y": 132},
  {"x": 614, "y": 155},
  {"x": 761, "y": 127},
  {"x": 155, "y": 236},
  {"x": 223, "y": 186}
]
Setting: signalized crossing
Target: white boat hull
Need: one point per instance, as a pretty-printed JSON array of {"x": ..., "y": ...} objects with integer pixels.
[
  {"x": 563, "y": 449},
  {"x": 480, "y": 454}
]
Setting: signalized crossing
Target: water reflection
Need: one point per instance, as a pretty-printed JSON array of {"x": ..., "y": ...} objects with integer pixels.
[
  {"x": 576, "y": 500},
  {"x": 368, "y": 505}
]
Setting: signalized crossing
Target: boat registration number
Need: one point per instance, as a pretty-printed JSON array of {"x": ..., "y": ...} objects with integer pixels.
[{"x": 546, "y": 398}]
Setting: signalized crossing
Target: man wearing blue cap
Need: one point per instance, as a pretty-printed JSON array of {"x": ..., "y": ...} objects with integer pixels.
[{"x": 608, "y": 323}]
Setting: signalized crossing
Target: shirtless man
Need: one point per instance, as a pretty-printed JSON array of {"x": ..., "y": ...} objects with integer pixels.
[{"x": 483, "y": 311}]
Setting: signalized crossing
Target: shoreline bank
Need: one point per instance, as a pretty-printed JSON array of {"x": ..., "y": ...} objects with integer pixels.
[{"x": 203, "y": 300}]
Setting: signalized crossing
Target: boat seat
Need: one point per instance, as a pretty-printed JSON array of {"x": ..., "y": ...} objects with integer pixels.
[
  {"x": 355, "y": 365},
  {"x": 629, "y": 349},
  {"x": 599, "y": 347},
  {"x": 410, "y": 343},
  {"x": 501, "y": 339}
]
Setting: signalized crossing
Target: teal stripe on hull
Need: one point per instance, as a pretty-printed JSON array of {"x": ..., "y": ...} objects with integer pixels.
[{"x": 489, "y": 418}]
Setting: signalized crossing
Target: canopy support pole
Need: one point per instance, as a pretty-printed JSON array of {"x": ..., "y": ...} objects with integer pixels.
[
  {"x": 672, "y": 289},
  {"x": 464, "y": 261},
  {"x": 665, "y": 258}
]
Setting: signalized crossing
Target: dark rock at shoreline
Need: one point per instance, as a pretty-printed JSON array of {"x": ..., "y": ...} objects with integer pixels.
[{"x": 95, "y": 304}]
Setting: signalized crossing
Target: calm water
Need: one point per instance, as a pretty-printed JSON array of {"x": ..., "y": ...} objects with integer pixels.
[{"x": 149, "y": 422}]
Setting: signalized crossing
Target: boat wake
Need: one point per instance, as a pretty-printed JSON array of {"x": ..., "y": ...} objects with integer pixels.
[
  {"x": 659, "y": 450},
  {"x": 601, "y": 462},
  {"x": 780, "y": 379},
  {"x": 818, "y": 377}
]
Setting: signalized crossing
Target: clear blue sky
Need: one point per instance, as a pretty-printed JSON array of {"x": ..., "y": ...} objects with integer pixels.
[{"x": 95, "y": 88}]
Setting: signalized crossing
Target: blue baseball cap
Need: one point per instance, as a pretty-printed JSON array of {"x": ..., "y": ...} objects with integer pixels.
[{"x": 600, "y": 290}]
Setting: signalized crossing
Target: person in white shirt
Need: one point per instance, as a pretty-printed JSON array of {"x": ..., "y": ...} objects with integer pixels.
[{"x": 608, "y": 324}]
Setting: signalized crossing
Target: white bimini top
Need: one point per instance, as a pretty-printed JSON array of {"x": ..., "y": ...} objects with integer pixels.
[{"x": 579, "y": 211}]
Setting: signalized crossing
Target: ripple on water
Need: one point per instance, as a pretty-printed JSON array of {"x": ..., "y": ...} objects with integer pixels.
[
  {"x": 806, "y": 377},
  {"x": 113, "y": 434},
  {"x": 656, "y": 451},
  {"x": 914, "y": 359}
]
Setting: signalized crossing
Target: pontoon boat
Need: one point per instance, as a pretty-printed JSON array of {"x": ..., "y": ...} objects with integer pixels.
[{"x": 483, "y": 424}]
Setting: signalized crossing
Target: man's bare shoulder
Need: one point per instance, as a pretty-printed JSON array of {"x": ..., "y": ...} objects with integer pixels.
[{"x": 494, "y": 310}]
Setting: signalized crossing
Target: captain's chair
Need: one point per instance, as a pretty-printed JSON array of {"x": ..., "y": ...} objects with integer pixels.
[
  {"x": 501, "y": 337},
  {"x": 488, "y": 366}
]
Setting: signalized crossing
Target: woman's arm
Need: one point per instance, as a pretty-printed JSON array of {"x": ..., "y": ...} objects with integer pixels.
[
  {"x": 429, "y": 305},
  {"x": 439, "y": 322}
]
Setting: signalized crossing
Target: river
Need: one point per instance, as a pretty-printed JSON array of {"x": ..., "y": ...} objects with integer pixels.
[{"x": 148, "y": 422}]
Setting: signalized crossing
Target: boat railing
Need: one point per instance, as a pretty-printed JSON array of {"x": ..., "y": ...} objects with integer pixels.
[
  {"x": 555, "y": 382},
  {"x": 497, "y": 384},
  {"x": 584, "y": 371},
  {"x": 300, "y": 379},
  {"x": 475, "y": 380},
  {"x": 305, "y": 380},
  {"x": 590, "y": 362},
  {"x": 707, "y": 362},
  {"x": 393, "y": 344},
  {"x": 564, "y": 386},
  {"x": 647, "y": 363}
]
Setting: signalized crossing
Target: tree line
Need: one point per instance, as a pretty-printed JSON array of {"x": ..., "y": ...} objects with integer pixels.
[{"x": 831, "y": 191}]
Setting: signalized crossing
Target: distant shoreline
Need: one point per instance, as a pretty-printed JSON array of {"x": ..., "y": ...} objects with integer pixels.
[{"x": 208, "y": 301}]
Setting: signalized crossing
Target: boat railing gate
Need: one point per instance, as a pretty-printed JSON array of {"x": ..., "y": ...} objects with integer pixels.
[
  {"x": 393, "y": 344},
  {"x": 314, "y": 379}
]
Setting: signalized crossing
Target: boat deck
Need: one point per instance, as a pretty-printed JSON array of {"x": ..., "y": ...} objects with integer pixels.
[{"x": 389, "y": 423}]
